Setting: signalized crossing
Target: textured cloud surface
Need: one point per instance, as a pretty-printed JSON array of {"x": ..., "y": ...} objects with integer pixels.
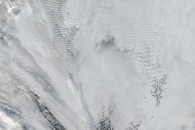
[{"x": 97, "y": 64}]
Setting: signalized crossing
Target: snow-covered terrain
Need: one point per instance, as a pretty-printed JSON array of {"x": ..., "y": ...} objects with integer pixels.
[{"x": 97, "y": 64}]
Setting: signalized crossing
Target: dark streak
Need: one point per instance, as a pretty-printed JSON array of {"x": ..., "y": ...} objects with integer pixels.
[
  {"x": 46, "y": 113},
  {"x": 105, "y": 124}
]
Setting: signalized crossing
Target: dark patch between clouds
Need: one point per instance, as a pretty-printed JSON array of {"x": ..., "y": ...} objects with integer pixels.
[{"x": 55, "y": 124}]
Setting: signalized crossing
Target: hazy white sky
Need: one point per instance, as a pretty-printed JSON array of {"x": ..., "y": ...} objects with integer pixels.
[{"x": 97, "y": 64}]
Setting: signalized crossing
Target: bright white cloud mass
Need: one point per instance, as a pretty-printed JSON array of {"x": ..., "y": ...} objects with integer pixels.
[{"x": 97, "y": 65}]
